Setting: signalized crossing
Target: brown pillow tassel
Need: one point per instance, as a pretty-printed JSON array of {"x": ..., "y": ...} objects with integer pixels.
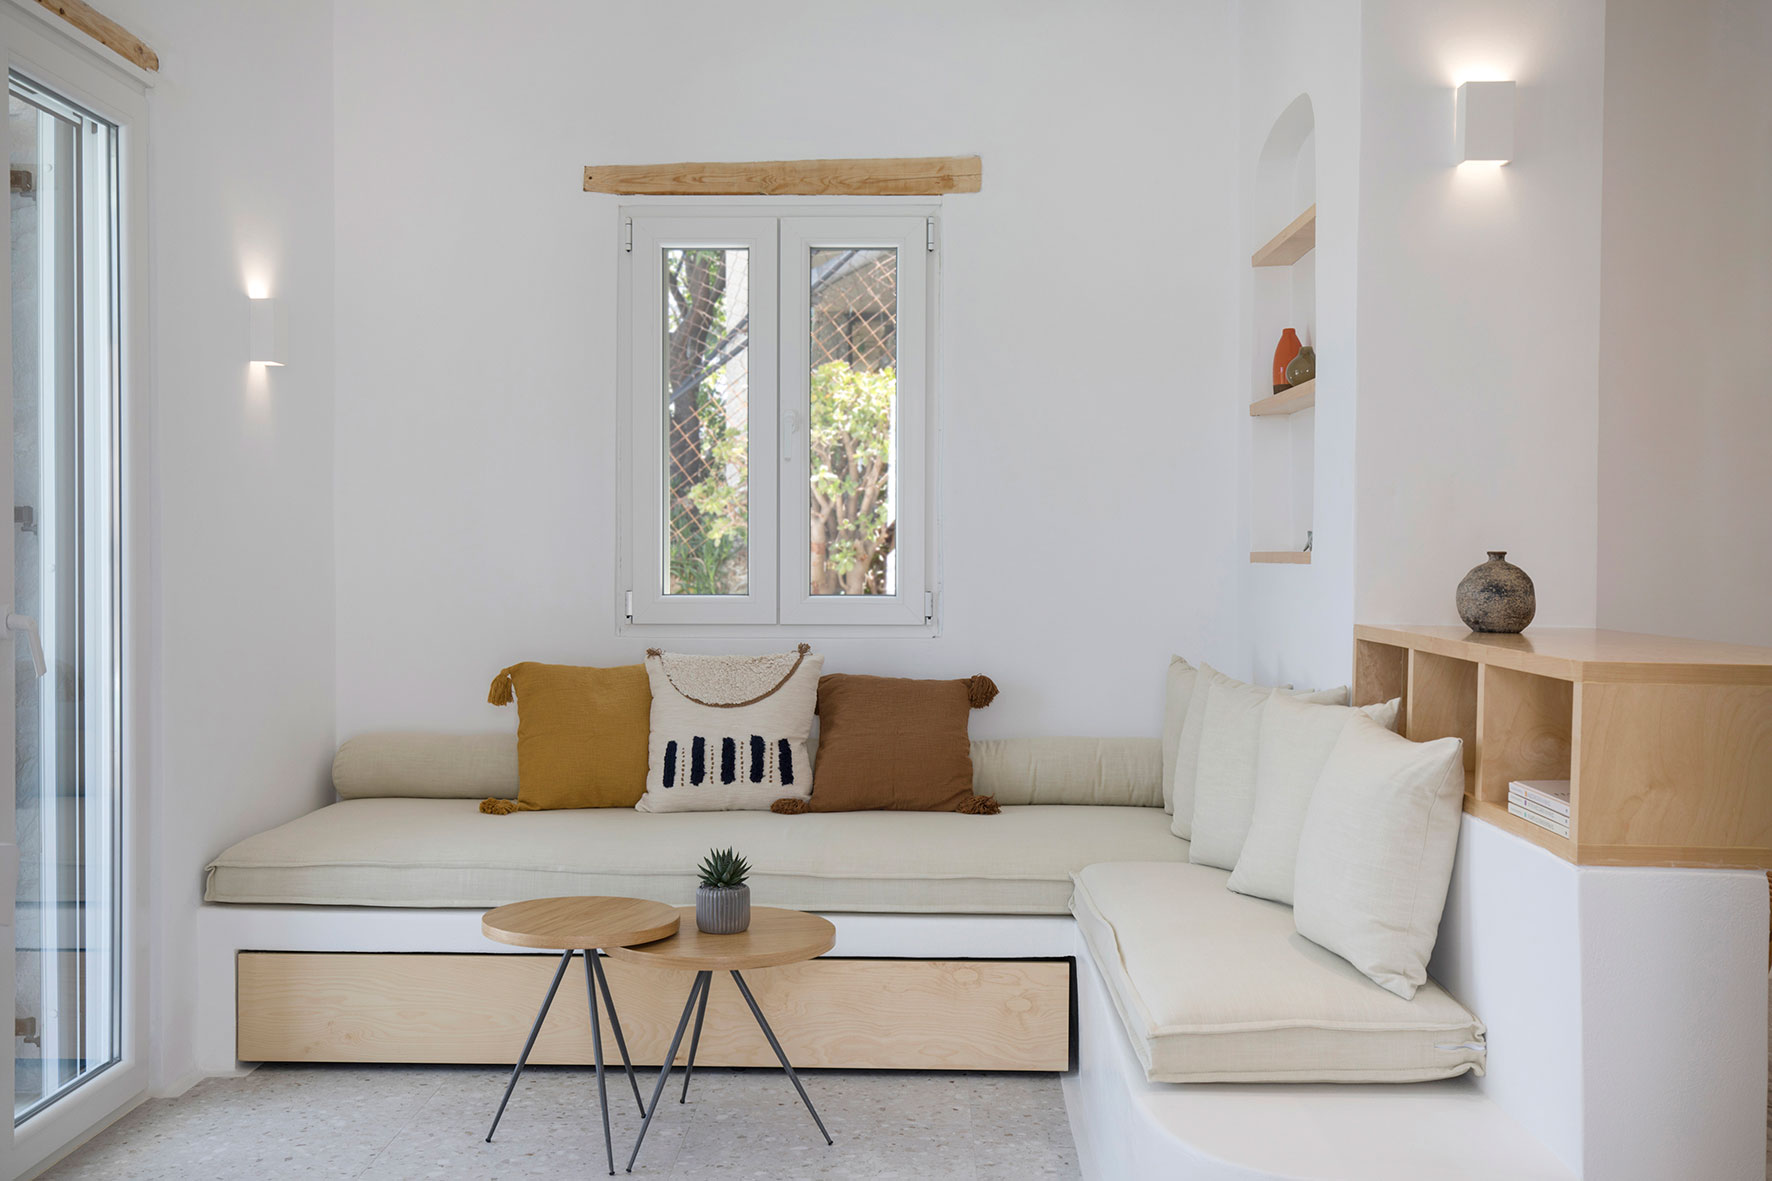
[
  {"x": 790, "y": 807},
  {"x": 500, "y": 807},
  {"x": 981, "y": 691},
  {"x": 501, "y": 691},
  {"x": 980, "y": 806}
]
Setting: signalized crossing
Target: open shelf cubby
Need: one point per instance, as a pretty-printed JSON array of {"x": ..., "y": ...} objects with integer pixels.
[{"x": 1666, "y": 743}]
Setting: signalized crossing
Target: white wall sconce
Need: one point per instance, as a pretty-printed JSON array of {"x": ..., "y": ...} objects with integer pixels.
[
  {"x": 269, "y": 333},
  {"x": 1484, "y": 126}
]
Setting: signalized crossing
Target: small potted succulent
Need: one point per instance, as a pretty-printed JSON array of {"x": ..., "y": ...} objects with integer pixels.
[{"x": 723, "y": 901}]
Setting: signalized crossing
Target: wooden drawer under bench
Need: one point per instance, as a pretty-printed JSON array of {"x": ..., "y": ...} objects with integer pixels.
[{"x": 880, "y": 1014}]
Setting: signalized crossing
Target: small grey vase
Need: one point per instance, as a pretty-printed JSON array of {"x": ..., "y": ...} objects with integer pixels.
[
  {"x": 722, "y": 910},
  {"x": 1497, "y": 597}
]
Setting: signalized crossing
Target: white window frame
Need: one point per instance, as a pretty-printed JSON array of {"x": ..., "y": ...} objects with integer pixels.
[
  {"x": 786, "y": 230},
  {"x": 40, "y": 45}
]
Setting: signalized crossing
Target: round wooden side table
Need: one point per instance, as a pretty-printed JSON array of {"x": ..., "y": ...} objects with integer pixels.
[
  {"x": 775, "y": 937},
  {"x": 580, "y": 925}
]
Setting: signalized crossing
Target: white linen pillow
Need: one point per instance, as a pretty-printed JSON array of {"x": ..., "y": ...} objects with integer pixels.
[
  {"x": 729, "y": 732},
  {"x": 1294, "y": 743},
  {"x": 1177, "y": 689},
  {"x": 1375, "y": 856},
  {"x": 1187, "y": 750},
  {"x": 1188, "y": 743},
  {"x": 1224, "y": 781}
]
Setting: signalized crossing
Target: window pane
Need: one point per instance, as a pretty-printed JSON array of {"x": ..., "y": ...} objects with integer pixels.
[
  {"x": 854, "y": 404},
  {"x": 64, "y": 335},
  {"x": 707, "y": 337}
]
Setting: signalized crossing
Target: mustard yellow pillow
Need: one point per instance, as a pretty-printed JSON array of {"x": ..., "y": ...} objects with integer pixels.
[{"x": 581, "y": 735}]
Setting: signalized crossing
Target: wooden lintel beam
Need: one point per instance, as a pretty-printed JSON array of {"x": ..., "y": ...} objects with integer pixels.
[
  {"x": 918, "y": 176},
  {"x": 105, "y": 31}
]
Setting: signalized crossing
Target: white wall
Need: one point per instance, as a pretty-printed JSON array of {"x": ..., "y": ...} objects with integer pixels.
[
  {"x": 1626, "y": 1007},
  {"x": 1685, "y": 520},
  {"x": 240, "y": 192},
  {"x": 1087, "y": 336},
  {"x": 1295, "y": 623},
  {"x": 1478, "y": 309}
]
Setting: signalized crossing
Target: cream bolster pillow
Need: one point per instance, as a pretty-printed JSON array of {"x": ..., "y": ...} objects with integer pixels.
[
  {"x": 1293, "y": 745},
  {"x": 416, "y": 765},
  {"x": 1375, "y": 856},
  {"x": 1239, "y": 747},
  {"x": 1126, "y": 772},
  {"x": 421, "y": 765}
]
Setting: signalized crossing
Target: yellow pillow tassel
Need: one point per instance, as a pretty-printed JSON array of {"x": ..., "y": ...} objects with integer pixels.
[
  {"x": 979, "y": 806},
  {"x": 790, "y": 806},
  {"x": 501, "y": 691}
]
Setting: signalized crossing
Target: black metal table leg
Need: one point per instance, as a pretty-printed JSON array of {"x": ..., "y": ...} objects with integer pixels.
[
  {"x": 702, "y": 981},
  {"x": 701, "y": 1010},
  {"x": 776, "y": 1046},
  {"x": 615, "y": 1025},
  {"x": 597, "y": 1054},
  {"x": 529, "y": 1045}
]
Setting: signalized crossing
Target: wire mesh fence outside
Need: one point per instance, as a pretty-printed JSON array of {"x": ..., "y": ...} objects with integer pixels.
[{"x": 854, "y": 385}]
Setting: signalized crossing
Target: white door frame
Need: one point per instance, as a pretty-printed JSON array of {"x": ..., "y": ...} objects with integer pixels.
[{"x": 83, "y": 73}]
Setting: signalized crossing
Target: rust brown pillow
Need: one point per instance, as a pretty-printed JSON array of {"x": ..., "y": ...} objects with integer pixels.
[{"x": 893, "y": 743}]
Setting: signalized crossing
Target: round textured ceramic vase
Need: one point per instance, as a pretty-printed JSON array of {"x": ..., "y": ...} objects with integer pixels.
[
  {"x": 722, "y": 910},
  {"x": 1497, "y": 597}
]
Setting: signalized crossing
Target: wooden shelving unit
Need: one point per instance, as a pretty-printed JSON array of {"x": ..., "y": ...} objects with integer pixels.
[
  {"x": 1667, "y": 743},
  {"x": 1283, "y": 557},
  {"x": 1290, "y": 244},
  {"x": 1288, "y": 401}
]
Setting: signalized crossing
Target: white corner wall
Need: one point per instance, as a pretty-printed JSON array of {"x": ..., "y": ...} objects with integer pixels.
[
  {"x": 1295, "y": 623},
  {"x": 1479, "y": 295},
  {"x": 1086, "y": 498},
  {"x": 1685, "y": 414},
  {"x": 240, "y": 193},
  {"x": 1626, "y": 1007}
]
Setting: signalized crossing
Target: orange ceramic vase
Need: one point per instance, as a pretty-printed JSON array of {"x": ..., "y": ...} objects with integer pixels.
[{"x": 1283, "y": 354}]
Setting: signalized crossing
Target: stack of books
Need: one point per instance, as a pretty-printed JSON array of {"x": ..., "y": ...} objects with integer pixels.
[{"x": 1544, "y": 802}]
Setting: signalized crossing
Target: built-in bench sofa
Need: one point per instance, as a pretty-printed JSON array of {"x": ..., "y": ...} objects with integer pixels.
[{"x": 351, "y": 934}]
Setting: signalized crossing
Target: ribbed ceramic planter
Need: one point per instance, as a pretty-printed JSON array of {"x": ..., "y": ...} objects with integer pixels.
[{"x": 722, "y": 910}]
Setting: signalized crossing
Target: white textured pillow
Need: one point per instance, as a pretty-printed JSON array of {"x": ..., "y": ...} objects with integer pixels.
[
  {"x": 1224, "y": 778},
  {"x": 1376, "y": 852},
  {"x": 1187, "y": 749},
  {"x": 1177, "y": 691},
  {"x": 729, "y": 732},
  {"x": 1294, "y": 744}
]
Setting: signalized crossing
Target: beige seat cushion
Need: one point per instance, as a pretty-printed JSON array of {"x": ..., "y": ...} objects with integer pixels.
[
  {"x": 1218, "y": 987},
  {"x": 407, "y": 852}
]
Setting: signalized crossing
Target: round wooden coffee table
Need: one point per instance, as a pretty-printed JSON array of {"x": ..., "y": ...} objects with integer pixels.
[
  {"x": 775, "y": 937},
  {"x": 580, "y": 925}
]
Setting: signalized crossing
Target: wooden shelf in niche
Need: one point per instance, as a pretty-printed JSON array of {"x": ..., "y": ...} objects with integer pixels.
[
  {"x": 1281, "y": 557},
  {"x": 1290, "y": 244},
  {"x": 1289, "y": 401}
]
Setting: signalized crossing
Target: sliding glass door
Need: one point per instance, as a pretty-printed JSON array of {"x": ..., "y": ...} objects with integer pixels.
[{"x": 61, "y": 577}]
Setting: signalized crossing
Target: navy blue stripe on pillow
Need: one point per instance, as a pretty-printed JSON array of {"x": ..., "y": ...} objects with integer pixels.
[
  {"x": 670, "y": 767},
  {"x": 728, "y": 760},
  {"x": 698, "y": 759},
  {"x": 757, "y": 750},
  {"x": 787, "y": 761}
]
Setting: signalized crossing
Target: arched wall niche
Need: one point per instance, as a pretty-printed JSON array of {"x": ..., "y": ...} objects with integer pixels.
[{"x": 1283, "y": 446}]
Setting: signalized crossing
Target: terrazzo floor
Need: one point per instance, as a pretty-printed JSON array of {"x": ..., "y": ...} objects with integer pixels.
[{"x": 419, "y": 1122}]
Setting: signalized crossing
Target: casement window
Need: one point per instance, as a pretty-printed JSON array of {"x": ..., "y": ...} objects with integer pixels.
[{"x": 777, "y": 374}]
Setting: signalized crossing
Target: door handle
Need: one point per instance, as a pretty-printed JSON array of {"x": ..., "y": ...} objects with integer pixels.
[{"x": 16, "y": 623}]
